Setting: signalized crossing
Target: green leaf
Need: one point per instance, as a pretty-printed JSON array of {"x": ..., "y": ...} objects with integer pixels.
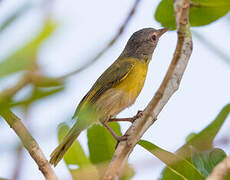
[
  {"x": 24, "y": 57},
  {"x": 19, "y": 12},
  {"x": 202, "y": 12},
  {"x": 205, "y": 161},
  {"x": 101, "y": 143},
  {"x": 181, "y": 167},
  {"x": 204, "y": 139},
  {"x": 75, "y": 155}
]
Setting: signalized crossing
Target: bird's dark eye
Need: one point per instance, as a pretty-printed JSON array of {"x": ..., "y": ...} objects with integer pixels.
[{"x": 154, "y": 37}]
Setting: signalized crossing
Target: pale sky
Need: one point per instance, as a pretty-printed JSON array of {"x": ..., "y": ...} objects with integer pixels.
[{"x": 84, "y": 29}]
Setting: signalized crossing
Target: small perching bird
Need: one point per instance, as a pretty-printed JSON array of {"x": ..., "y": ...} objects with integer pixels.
[{"x": 116, "y": 89}]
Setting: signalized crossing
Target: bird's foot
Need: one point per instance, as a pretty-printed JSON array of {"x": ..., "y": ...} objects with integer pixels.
[
  {"x": 138, "y": 115},
  {"x": 132, "y": 119}
]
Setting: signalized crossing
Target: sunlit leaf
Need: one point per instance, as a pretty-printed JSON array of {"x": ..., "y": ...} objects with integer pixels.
[
  {"x": 202, "y": 12},
  {"x": 85, "y": 173},
  {"x": 205, "y": 161},
  {"x": 178, "y": 165},
  {"x": 204, "y": 139},
  {"x": 19, "y": 12},
  {"x": 25, "y": 56},
  {"x": 101, "y": 143}
]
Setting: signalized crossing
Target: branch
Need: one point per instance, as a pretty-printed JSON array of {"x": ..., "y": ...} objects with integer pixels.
[
  {"x": 9, "y": 92},
  {"x": 116, "y": 37},
  {"x": 221, "y": 170},
  {"x": 169, "y": 85},
  {"x": 29, "y": 143}
]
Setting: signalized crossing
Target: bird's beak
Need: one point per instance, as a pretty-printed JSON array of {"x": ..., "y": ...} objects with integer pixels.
[{"x": 162, "y": 31}]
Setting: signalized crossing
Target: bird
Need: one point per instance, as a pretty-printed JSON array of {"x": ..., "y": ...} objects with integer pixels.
[{"x": 116, "y": 89}]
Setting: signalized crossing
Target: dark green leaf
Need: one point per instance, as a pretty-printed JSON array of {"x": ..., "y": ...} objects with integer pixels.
[
  {"x": 19, "y": 12},
  {"x": 181, "y": 167},
  {"x": 75, "y": 155},
  {"x": 205, "y": 161},
  {"x": 25, "y": 56},
  {"x": 202, "y": 12},
  {"x": 101, "y": 143}
]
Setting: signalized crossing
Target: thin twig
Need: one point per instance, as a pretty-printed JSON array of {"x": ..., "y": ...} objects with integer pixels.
[
  {"x": 221, "y": 170},
  {"x": 116, "y": 37},
  {"x": 169, "y": 85},
  {"x": 29, "y": 143}
]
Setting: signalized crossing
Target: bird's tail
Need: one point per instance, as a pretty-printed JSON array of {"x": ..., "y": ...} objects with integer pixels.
[{"x": 65, "y": 144}]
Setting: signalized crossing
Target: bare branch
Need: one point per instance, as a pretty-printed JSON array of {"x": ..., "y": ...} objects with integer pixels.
[
  {"x": 169, "y": 85},
  {"x": 116, "y": 37},
  {"x": 221, "y": 170},
  {"x": 29, "y": 143},
  {"x": 9, "y": 92}
]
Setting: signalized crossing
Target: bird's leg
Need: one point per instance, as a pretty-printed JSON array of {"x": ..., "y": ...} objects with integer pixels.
[
  {"x": 118, "y": 138},
  {"x": 132, "y": 119}
]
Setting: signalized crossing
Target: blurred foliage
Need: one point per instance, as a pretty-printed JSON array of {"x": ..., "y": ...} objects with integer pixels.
[
  {"x": 198, "y": 152},
  {"x": 18, "y": 13},
  {"x": 25, "y": 57},
  {"x": 37, "y": 93},
  {"x": 101, "y": 146},
  {"x": 202, "y": 12}
]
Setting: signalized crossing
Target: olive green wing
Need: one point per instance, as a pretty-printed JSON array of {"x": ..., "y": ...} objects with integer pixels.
[{"x": 116, "y": 73}]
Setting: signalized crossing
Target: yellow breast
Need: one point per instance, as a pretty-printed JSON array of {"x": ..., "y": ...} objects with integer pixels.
[
  {"x": 133, "y": 83},
  {"x": 124, "y": 94}
]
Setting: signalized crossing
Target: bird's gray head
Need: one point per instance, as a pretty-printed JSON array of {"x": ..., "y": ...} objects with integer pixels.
[{"x": 142, "y": 43}]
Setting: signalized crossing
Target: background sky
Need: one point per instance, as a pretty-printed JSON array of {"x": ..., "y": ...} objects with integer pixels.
[{"x": 84, "y": 29}]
